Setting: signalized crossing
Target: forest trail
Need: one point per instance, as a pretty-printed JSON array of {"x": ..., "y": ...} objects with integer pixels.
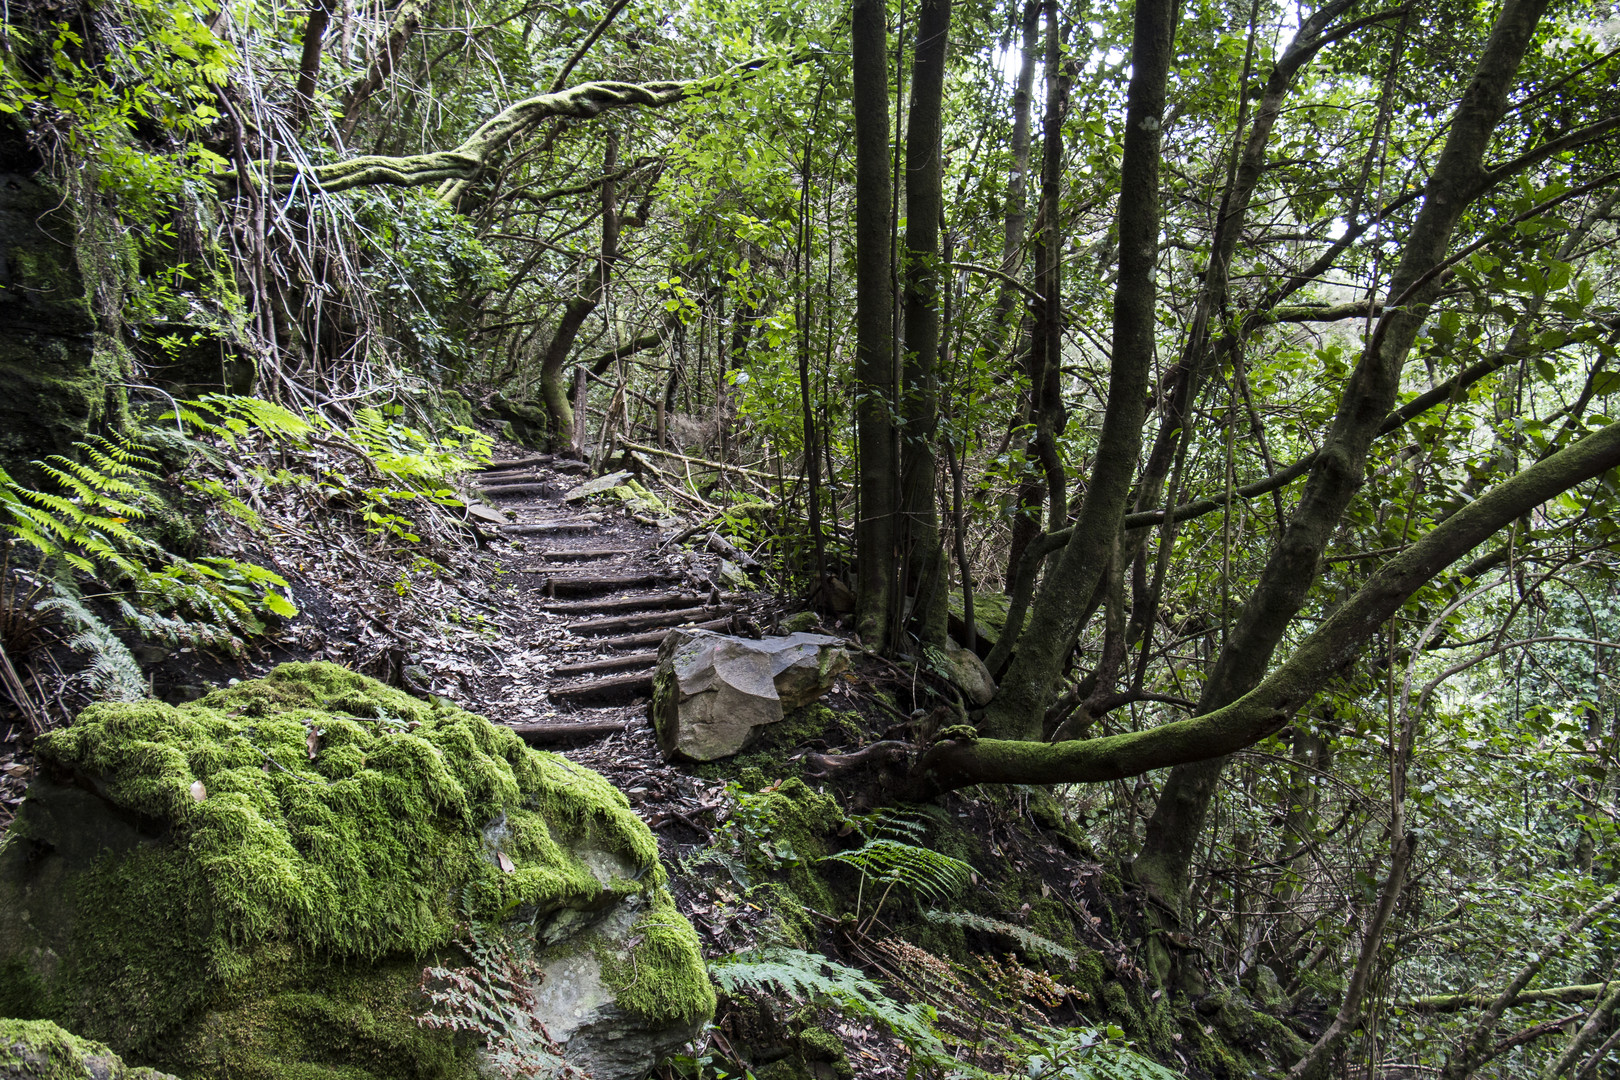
[{"x": 593, "y": 591}]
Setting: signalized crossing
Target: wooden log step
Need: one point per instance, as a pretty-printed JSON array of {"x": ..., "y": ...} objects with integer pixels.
[
  {"x": 582, "y": 554},
  {"x": 549, "y": 528},
  {"x": 612, "y": 663},
  {"x": 492, "y": 490},
  {"x": 577, "y": 585},
  {"x": 641, "y": 641},
  {"x": 549, "y": 734},
  {"x": 667, "y": 619},
  {"x": 515, "y": 463},
  {"x": 637, "y": 602},
  {"x": 610, "y": 691}
]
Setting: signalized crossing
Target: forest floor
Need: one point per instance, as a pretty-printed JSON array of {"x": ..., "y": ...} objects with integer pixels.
[{"x": 550, "y": 624}]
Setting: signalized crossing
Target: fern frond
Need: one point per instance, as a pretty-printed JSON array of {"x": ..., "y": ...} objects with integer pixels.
[
  {"x": 926, "y": 872},
  {"x": 1028, "y": 939},
  {"x": 113, "y": 673},
  {"x": 804, "y": 976}
]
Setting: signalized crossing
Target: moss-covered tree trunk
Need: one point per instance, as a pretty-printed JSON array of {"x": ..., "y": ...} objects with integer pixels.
[
  {"x": 875, "y": 531},
  {"x": 554, "y": 383},
  {"x": 1019, "y": 707},
  {"x": 925, "y": 570}
]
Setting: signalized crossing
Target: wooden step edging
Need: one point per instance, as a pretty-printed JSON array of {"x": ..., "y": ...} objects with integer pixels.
[
  {"x": 613, "y": 690},
  {"x": 666, "y": 619},
  {"x": 641, "y": 641},
  {"x": 611, "y": 663}
]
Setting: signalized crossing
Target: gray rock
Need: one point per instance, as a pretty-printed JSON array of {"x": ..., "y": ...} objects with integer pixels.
[
  {"x": 39, "y": 1050},
  {"x": 596, "y": 486},
  {"x": 965, "y": 671},
  {"x": 733, "y": 576},
  {"x": 113, "y": 926},
  {"x": 579, "y": 1010},
  {"x": 712, "y": 692}
]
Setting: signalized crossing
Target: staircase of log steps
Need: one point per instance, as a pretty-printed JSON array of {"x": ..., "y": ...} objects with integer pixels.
[{"x": 608, "y": 572}]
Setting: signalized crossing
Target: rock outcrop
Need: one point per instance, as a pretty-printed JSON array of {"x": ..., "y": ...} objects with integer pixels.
[
  {"x": 251, "y": 885},
  {"x": 713, "y": 692},
  {"x": 39, "y": 1050}
]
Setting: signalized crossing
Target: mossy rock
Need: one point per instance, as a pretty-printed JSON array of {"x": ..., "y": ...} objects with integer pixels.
[
  {"x": 65, "y": 270},
  {"x": 39, "y": 1050},
  {"x": 191, "y": 884}
]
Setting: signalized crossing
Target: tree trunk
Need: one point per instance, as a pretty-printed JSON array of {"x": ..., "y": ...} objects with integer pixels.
[
  {"x": 1019, "y": 708},
  {"x": 919, "y": 405},
  {"x": 875, "y": 530},
  {"x": 309, "y": 63},
  {"x": 1337, "y": 474},
  {"x": 553, "y": 383}
]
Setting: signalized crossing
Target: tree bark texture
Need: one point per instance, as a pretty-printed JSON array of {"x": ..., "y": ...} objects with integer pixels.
[
  {"x": 554, "y": 386},
  {"x": 875, "y": 531},
  {"x": 925, "y": 580}
]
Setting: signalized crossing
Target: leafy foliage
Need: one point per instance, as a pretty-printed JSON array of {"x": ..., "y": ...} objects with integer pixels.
[
  {"x": 1028, "y": 939},
  {"x": 87, "y": 527},
  {"x": 1092, "y": 1054},
  {"x": 811, "y": 977},
  {"x": 895, "y": 854}
]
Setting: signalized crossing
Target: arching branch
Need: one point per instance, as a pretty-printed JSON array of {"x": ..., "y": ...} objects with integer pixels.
[{"x": 465, "y": 162}]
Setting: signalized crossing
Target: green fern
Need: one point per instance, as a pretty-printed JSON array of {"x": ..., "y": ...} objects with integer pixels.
[
  {"x": 113, "y": 673},
  {"x": 1090, "y": 1054},
  {"x": 85, "y": 527},
  {"x": 895, "y": 853},
  {"x": 810, "y": 977},
  {"x": 1027, "y": 939}
]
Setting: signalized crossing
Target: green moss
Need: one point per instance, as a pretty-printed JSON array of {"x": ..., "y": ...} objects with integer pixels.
[
  {"x": 662, "y": 978},
  {"x": 255, "y": 871},
  {"x": 341, "y": 1025},
  {"x": 40, "y": 1050},
  {"x": 1239, "y": 1024},
  {"x": 769, "y": 755}
]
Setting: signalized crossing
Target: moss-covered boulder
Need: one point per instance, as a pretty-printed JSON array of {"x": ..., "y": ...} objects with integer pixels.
[
  {"x": 251, "y": 884},
  {"x": 39, "y": 1050}
]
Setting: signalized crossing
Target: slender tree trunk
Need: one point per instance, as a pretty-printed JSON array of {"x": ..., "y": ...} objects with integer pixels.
[
  {"x": 309, "y": 63},
  {"x": 1030, "y": 494},
  {"x": 1018, "y": 710},
  {"x": 1337, "y": 474},
  {"x": 408, "y": 18},
  {"x": 553, "y": 382},
  {"x": 924, "y": 557},
  {"x": 875, "y": 530}
]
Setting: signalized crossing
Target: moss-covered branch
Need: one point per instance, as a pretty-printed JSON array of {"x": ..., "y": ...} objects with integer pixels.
[
  {"x": 465, "y": 162},
  {"x": 1265, "y": 709}
]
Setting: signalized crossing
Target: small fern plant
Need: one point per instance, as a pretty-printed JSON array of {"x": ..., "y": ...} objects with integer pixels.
[
  {"x": 894, "y": 853},
  {"x": 492, "y": 999},
  {"x": 1028, "y": 940},
  {"x": 806, "y": 977},
  {"x": 1090, "y": 1054}
]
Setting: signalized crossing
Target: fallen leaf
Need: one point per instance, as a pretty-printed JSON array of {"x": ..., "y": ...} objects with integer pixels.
[
  {"x": 198, "y": 792},
  {"x": 313, "y": 742},
  {"x": 505, "y": 861}
]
